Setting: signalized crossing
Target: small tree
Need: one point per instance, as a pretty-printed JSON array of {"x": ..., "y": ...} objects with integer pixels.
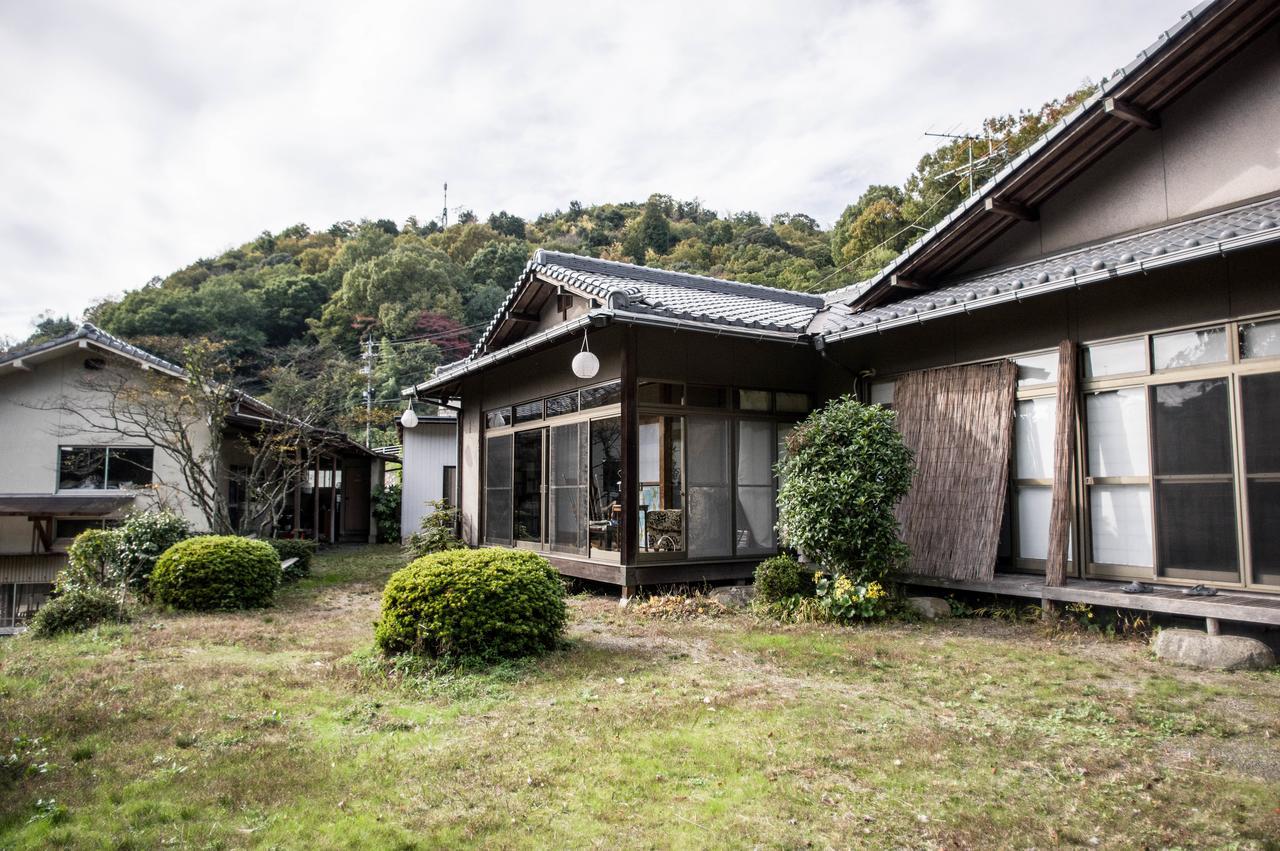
[{"x": 846, "y": 468}]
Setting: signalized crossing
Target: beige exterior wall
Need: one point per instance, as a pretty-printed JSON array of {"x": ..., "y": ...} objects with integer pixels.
[
  {"x": 1218, "y": 145},
  {"x": 30, "y": 437}
]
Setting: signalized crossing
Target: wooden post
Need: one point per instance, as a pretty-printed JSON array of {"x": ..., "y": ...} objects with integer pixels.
[
  {"x": 630, "y": 456},
  {"x": 315, "y": 500},
  {"x": 333, "y": 499},
  {"x": 1064, "y": 444},
  {"x": 1211, "y": 626}
]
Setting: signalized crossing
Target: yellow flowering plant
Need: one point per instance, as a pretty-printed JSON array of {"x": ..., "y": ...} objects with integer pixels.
[{"x": 846, "y": 600}]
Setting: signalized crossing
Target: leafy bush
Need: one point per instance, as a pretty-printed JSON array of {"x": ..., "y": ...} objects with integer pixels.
[
  {"x": 143, "y": 537},
  {"x": 489, "y": 604},
  {"x": 843, "y": 600},
  {"x": 386, "y": 513},
  {"x": 780, "y": 577},
  {"x": 303, "y": 551},
  {"x": 846, "y": 468},
  {"x": 435, "y": 532},
  {"x": 93, "y": 561},
  {"x": 216, "y": 572},
  {"x": 78, "y": 610}
]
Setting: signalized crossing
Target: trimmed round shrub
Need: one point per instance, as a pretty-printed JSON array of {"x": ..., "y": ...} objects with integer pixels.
[
  {"x": 781, "y": 577},
  {"x": 76, "y": 611},
  {"x": 216, "y": 572},
  {"x": 845, "y": 471},
  {"x": 303, "y": 551},
  {"x": 92, "y": 561},
  {"x": 489, "y": 604}
]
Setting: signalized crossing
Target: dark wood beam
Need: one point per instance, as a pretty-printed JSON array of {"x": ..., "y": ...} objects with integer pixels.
[
  {"x": 1011, "y": 209},
  {"x": 1131, "y": 113},
  {"x": 521, "y": 316},
  {"x": 564, "y": 301},
  {"x": 901, "y": 283}
]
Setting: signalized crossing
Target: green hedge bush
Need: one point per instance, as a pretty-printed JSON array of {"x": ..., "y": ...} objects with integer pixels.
[
  {"x": 143, "y": 536},
  {"x": 92, "y": 562},
  {"x": 780, "y": 577},
  {"x": 76, "y": 611},
  {"x": 216, "y": 572},
  {"x": 303, "y": 551},
  {"x": 845, "y": 470},
  {"x": 487, "y": 604}
]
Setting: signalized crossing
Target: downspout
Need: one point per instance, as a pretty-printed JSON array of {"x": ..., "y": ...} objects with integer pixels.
[{"x": 820, "y": 346}]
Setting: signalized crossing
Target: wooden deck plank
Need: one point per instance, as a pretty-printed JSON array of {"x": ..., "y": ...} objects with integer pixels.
[{"x": 1237, "y": 606}]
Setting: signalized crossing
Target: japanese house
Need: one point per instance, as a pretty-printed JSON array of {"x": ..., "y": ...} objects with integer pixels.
[
  {"x": 59, "y": 476},
  {"x": 1097, "y": 327}
]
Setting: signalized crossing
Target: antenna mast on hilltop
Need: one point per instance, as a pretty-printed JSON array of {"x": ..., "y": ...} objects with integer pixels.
[{"x": 444, "y": 215}]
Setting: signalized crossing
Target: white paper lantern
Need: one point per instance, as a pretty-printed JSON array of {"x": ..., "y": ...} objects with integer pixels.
[
  {"x": 409, "y": 419},
  {"x": 585, "y": 365}
]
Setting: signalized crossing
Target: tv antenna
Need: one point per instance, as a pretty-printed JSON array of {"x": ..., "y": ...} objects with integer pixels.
[{"x": 970, "y": 168}]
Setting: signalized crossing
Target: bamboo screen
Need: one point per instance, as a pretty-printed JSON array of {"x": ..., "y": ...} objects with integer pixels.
[{"x": 959, "y": 422}]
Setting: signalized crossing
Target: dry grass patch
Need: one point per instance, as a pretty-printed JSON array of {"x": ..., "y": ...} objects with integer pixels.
[{"x": 282, "y": 728}]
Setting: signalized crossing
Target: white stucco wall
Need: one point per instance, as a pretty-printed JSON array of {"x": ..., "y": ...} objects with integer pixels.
[{"x": 30, "y": 437}]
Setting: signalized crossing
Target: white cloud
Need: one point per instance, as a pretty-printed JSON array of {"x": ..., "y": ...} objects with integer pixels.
[{"x": 138, "y": 137}]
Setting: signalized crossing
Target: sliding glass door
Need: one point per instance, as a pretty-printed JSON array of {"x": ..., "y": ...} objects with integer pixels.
[{"x": 527, "y": 490}]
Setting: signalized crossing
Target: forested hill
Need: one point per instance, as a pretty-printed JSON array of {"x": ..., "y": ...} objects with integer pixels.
[{"x": 300, "y": 310}]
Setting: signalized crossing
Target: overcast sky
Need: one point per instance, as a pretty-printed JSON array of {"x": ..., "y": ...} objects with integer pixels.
[{"x": 136, "y": 138}]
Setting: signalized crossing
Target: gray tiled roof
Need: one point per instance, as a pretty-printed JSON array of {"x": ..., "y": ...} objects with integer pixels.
[
  {"x": 1126, "y": 255},
  {"x": 91, "y": 332},
  {"x": 674, "y": 294}
]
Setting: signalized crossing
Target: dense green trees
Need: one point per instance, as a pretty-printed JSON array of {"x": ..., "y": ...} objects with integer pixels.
[{"x": 297, "y": 309}]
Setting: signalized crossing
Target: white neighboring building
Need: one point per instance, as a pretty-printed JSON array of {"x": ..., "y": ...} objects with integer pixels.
[{"x": 430, "y": 467}]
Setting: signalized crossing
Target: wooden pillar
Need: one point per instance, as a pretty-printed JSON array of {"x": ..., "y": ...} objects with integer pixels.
[
  {"x": 315, "y": 499},
  {"x": 333, "y": 499},
  {"x": 1064, "y": 444},
  {"x": 630, "y": 433}
]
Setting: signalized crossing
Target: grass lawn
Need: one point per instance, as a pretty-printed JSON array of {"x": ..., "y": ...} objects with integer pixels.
[{"x": 280, "y": 729}]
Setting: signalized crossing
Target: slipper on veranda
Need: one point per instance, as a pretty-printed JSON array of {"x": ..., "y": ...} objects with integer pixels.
[
  {"x": 1136, "y": 587},
  {"x": 1200, "y": 591}
]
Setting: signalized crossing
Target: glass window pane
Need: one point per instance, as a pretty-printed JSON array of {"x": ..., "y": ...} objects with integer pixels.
[
  {"x": 1260, "y": 339},
  {"x": 1117, "y": 425},
  {"x": 1264, "y": 530},
  {"x": 710, "y": 512},
  {"x": 754, "y": 400},
  {"x": 497, "y": 491},
  {"x": 527, "y": 486},
  {"x": 1196, "y": 530},
  {"x": 1033, "y": 521},
  {"x": 528, "y": 412},
  {"x": 564, "y": 404},
  {"x": 755, "y": 452},
  {"x": 82, "y": 468},
  {"x": 1120, "y": 520},
  {"x": 1260, "y": 398},
  {"x": 1033, "y": 438},
  {"x": 1192, "y": 428},
  {"x": 706, "y": 397},
  {"x": 882, "y": 392},
  {"x": 660, "y": 503},
  {"x": 1189, "y": 348},
  {"x": 498, "y": 418},
  {"x": 792, "y": 403},
  {"x": 605, "y": 500},
  {"x": 1037, "y": 369},
  {"x": 605, "y": 394},
  {"x": 755, "y": 520},
  {"x": 660, "y": 393},
  {"x": 1122, "y": 358},
  {"x": 129, "y": 468},
  {"x": 567, "y": 479}
]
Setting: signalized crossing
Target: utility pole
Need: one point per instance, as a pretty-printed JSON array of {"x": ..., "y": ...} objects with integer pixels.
[
  {"x": 368, "y": 387},
  {"x": 444, "y": 214}
]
